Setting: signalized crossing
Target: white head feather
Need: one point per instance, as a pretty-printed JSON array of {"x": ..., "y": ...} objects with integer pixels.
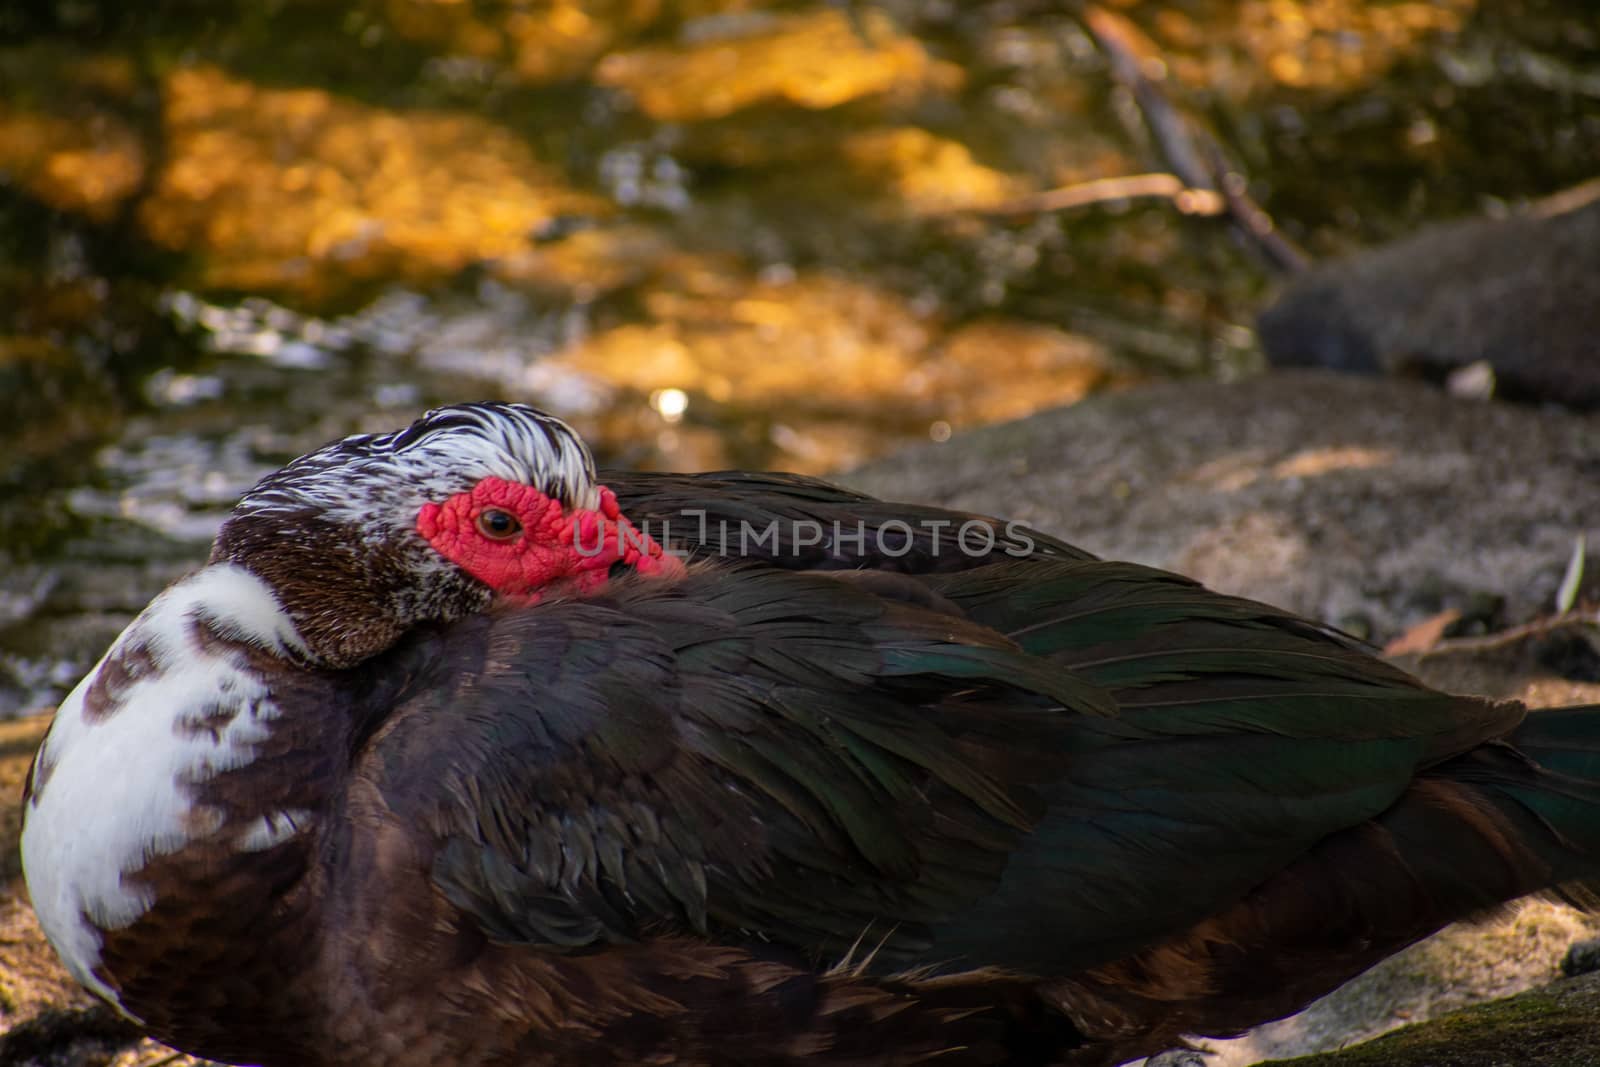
[{"x": 446, "y": 451}]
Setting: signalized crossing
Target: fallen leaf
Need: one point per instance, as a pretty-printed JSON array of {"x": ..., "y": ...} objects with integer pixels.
[{"x": 1423, "y": 636}]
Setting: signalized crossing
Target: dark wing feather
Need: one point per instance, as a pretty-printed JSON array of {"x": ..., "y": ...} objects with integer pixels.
[
  {"x": 802, "y": 523},
  {"x": 757, "y": 753},
  {"x": 1243, "y": 736},
  {"x": 1035, "y": 765}
]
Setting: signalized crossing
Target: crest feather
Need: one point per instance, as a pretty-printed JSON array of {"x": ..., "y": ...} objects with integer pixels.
[{"x": 446, "y": 451}]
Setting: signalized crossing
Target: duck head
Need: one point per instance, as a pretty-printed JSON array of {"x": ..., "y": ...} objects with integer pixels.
[{"x": 368, "y": 536}]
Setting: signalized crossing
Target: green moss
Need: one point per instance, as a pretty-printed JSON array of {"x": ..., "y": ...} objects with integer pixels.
[{"x": 1558, "y": 1026}]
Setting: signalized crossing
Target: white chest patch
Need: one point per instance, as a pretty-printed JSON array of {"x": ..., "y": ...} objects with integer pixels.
[{"x": 162, "y": 710}]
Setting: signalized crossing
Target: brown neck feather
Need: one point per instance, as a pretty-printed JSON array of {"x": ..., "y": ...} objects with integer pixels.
[{"x": 350, "y": 596}]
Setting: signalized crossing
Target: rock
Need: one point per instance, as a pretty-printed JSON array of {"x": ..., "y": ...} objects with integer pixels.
[
  {"x": 1554, "y": 1026},
  {"x": 1458, "y": 967},
  {"x": 1370, "y": 504},
  {"x": 1519, "y": 296},
  {"x": 1178, "y": 1057},
  {"x": 1581, "y": 958},
  {"x": 89, "y": 1037}
]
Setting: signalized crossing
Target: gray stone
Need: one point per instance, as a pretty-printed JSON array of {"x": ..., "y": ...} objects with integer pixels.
[
  {"x": 1582, "y": 958},
  {"x": 1519, "y": 295},
  {"x": 1369, "y": 503},
  {"x": 1556, "y": 1026}
]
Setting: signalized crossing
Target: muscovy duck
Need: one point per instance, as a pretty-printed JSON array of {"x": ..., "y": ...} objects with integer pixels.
[{"x": 445, "y": 759}]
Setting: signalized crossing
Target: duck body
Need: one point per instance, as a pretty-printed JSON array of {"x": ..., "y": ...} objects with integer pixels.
[{"x": 351, "y": 794}]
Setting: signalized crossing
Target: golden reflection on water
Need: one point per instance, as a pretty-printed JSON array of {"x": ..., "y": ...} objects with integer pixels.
[
  {"x": 829, "y": 352},
  {"x": 539, "y": 42},
  {"x": 1305, "y": 44},
  {"x": 286, "y": 187},
  {"x": 924, "y": 173},
  {"x": 87, "y": 164},
  {"x": 814, "y": 60},
  {"x": 592, "y": 263},
  {"x": 296, "y": 191}
]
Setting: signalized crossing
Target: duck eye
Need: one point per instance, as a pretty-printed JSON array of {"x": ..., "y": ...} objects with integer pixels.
[{"x": 498, "y": 525}]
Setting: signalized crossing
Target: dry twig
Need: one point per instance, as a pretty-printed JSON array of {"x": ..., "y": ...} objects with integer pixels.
[
  {"x": 1193, "y": 155},
  {"x": 1188, "y": 200},
  {"x": 1506, "y": 638}
]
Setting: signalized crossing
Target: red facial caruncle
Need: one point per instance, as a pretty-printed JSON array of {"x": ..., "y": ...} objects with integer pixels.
[{"x": 520, "y": 542}]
